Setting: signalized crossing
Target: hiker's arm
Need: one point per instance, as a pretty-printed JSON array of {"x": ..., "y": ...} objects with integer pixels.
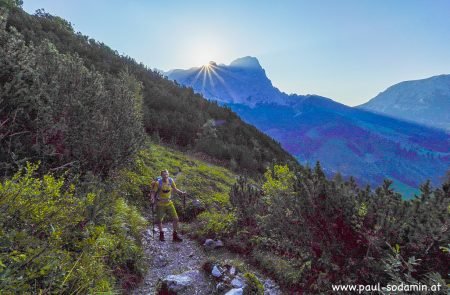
[
  {"x": 180, "y": 192},
  {"x": 177, "y": 190},
  {"x": 152, "y": 196}
]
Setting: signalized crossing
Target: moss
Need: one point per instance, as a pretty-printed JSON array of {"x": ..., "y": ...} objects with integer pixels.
[{"x": 253, "y": 285}]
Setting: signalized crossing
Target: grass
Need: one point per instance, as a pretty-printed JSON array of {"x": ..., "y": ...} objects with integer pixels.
[{"x": 203, "y": 181}]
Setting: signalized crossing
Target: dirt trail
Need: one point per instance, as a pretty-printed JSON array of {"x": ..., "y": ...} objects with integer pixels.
[
  {"x": 172, "y": 258},
  {"x": 167, "y": 258}
]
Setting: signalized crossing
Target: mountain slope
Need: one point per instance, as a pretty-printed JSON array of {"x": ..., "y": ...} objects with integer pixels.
[
  {"x": 425, "y": 101},
  {"x": 171, "y": 114},
  {"x": 243, "y": 81},
  {"x": 348, "y": 140}
]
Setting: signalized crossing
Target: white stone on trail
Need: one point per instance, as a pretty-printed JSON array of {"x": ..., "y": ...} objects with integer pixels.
[
  {"x": 219, "y": 244},
  {"x": 271, "y": 288},
  {"x": 216, "y": 272},
  {"x": 182, "y": 282},
  {"x": 236, "y": 291},
  {"x": 237, "y": 282},
  {"x": 211, "y": 244}
]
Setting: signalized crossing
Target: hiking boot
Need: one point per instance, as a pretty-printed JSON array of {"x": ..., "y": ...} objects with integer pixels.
[
  {"x": 176, "y": 237},
  {"x": 161, "y": 236}
]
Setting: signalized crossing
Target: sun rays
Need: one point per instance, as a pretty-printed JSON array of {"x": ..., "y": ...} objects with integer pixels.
[{"x": 211, "y": 73}]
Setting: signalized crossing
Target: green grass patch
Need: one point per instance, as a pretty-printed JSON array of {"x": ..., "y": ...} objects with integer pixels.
[{"x": 285, "y": 271}]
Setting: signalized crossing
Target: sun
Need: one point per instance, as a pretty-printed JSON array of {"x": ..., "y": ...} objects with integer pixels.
[
  {"x": 208, "y": 66},
  {"x": 202, "y": 52}
]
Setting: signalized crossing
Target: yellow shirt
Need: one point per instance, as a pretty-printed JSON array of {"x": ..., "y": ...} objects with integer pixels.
[{"x": 166, "y": 189}]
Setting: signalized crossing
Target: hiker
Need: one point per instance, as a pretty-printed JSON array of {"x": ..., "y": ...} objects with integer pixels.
[{"x": 161, "y": 192}]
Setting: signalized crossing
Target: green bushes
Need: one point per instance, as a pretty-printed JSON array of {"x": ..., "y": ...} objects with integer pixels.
[
  {"x": 320, "y": 232},
  {"x": 253, "y": 285},
  {"x": 50, "y": 243},
  {"x": 215, "y": 224},
  {"x": 57, "y": 111}
]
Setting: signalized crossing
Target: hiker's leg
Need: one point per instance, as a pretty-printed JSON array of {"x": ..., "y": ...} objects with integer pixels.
[
  {"x": 173, "y": 215},
  {"x": 159, "y": 217},
  {"x": 175, "y": 224}
]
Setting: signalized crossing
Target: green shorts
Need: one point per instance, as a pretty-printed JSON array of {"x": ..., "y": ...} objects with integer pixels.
[{"x": 163, "y": 209}]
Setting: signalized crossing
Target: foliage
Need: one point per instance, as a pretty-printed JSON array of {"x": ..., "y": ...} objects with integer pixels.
[
  {"x": 57, "y": 111},
  {"x": 401, "y": 270},
  {"x": 215, "y": 224},
  {"x": 51, "y": 242},
  {"x": 278, "y": 180},
  {"x": 253, "y": 285},
  {"x": 247, "y": 200},
  {"x": 11, "y": 3},
  {"x": 339, "y": 233}
]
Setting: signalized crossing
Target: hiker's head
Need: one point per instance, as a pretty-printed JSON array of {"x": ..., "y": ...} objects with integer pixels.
[{"x": 164, "y": 174}]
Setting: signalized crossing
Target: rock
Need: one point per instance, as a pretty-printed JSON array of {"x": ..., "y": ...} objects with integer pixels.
[
  {"x": 209, "y": 244},
  {"x": 271, "y": 288},
  {"x": 160, "y": 261},
  {"x": 216, "y": 272},
  {"x": 238, "y": 282},
  {"x": 219, "y": 244},
  {"x": 197, "y": 204},
  {"x": 221, "y": 287},
  {"x": 235, "y": 291},
  {"x": 181, "y": 284},
  {"x": 232, "y": 270}
]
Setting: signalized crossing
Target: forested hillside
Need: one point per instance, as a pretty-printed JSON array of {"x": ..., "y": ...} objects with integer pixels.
[{"x": 170, "y": 113}]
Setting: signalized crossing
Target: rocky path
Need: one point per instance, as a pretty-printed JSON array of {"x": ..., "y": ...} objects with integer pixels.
[
  {"x": 181, "y": 264},
  {"x": 169, "y": 258}
]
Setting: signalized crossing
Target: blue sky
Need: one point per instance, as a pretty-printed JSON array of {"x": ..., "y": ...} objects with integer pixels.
[{"x": 348, "y": 50}]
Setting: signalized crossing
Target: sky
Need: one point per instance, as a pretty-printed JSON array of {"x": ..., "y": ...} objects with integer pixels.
[{"x": 347, "y": 50}]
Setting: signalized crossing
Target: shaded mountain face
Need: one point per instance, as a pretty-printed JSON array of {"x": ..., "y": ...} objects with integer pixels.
[
  {"x": 351, "y": 141},
  {"x": 244, "y": 81},
  {"x": 425, "y": 101}
]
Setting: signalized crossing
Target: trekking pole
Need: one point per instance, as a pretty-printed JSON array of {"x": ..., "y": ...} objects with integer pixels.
[
  {"x": 184, "y": 205},
  {"x": 153, "y": 220}
]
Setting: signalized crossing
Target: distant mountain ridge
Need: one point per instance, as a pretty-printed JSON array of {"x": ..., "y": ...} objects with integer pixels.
[
  {"x": 351, "y": 141},
  {"x": 425, "y": 101},
  {"x": 246, "y": 82}
]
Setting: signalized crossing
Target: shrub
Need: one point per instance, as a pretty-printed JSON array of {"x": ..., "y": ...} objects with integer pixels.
[
  {"x": 52, "y": 241},
  {"x": 215, "y": 224},
  {"x": 253, "y": 285}
]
